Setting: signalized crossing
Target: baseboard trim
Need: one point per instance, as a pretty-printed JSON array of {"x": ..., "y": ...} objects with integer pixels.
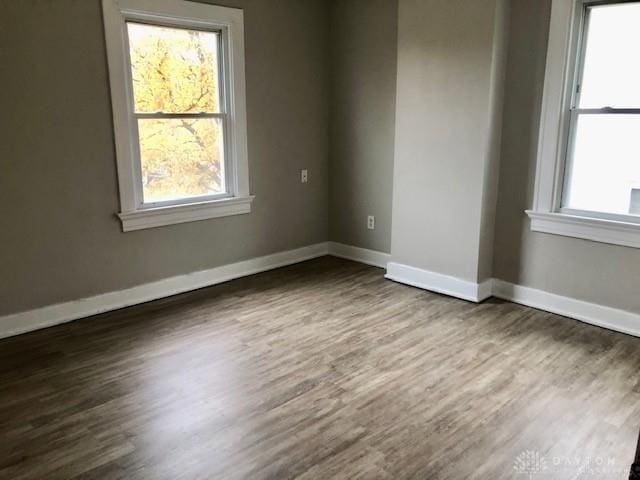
[
  {"x": 437, "y": 282},
  {"x": 599, "y": 315},
  {"x": 592, "y": 313},
  {"x": 51, "y": 315},
  {"x": 357, "y": 254}
]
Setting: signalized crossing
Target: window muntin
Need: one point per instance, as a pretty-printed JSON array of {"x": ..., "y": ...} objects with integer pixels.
[
  {"x": 602, "y": 173},
  {"x": 178, "y": 108},
  {"x": 207, "y": 42}
]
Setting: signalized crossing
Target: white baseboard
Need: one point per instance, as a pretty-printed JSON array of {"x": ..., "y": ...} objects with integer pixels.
[
  {"x": 606, "y": 317},
  {"x": 437, "y": 282},
  {"x": 362, "y": 255},
  {"x": 592, "y": 313},
  {"x": 48, "y": 316}
]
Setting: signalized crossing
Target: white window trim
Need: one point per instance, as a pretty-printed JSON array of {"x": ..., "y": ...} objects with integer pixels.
[
  {"x": 230, "y": 21},
  {"x": 547, "y": 214}
]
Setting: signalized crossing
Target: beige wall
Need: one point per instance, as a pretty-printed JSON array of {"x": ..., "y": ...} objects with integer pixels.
[
  {"x": 362, "y": 120},
  {"x": 595, "y": 272},
  {"x": 447, "y": 106},
  {"x": 58, "y": 190}
]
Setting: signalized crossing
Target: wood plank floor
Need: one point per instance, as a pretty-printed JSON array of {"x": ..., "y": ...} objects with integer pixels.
[{"x": 319, "y": 370}]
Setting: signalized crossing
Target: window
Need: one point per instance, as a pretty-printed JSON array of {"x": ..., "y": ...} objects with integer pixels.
[
  {"x": 176, "y": 70},
  {"x": 604, "y": 153},
  {"x": 588, "y": 175}
]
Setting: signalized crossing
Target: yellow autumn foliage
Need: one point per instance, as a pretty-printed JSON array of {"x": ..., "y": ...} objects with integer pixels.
[{"x": 175, "y": 71}]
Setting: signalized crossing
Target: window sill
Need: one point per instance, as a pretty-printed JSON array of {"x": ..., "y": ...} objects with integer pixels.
[
  {"x": 190, "y": 212},
  {"x": 588, "y": 228}
]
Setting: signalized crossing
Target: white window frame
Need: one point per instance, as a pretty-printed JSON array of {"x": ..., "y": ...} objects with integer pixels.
[
  {"x": 229, "y": 23},
  {"x": 564, "y": 52}
]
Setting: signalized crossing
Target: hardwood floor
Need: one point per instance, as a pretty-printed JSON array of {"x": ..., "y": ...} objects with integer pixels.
[{"x": 319, "y": 370}]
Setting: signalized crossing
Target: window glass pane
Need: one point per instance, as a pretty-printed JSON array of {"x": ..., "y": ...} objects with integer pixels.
[
  {"x": 174, "y": 70},
  {"x": 605, "y": 168},
  {"x": 611, "y": 65},
  {"x": 181, "y": 158}
]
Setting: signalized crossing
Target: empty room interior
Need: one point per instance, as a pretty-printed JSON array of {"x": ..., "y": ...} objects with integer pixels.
[{"x": 317, "y": 239}]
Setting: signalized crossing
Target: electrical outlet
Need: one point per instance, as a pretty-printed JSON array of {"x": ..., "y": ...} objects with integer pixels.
[
  {"x": 304, "y": 176},
  {"x": 371, "y": 222}
]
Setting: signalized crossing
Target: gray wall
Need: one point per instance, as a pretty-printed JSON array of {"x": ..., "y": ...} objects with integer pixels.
[
  {"x": 494, "y": 144},
  {"x": 362, "y": 120},
  {"x": 595, "y": 272},
  {"x": 60, "y": 238},
  {"x": 58, "y": 190},
  {"x": 447, "y": 106}
]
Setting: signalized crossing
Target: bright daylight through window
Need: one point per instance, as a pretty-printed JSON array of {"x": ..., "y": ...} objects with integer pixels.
[
  {"x": 176, "y": 89},
  {"x": 603, "y": 163},
  {"x": 588, "y": 166},
  {"x": 176, "y": 71}
]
